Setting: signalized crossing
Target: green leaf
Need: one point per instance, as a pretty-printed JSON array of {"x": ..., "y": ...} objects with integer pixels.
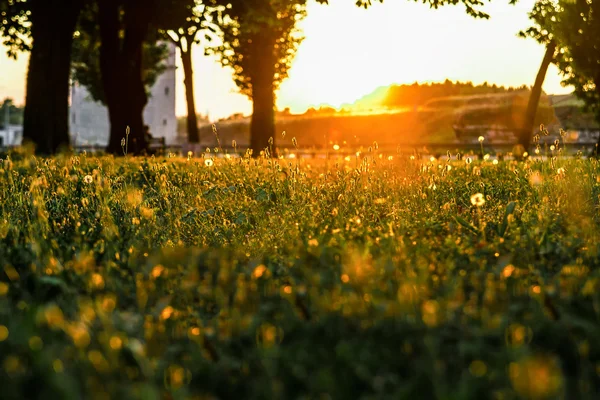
[{"x": 465, "y": 224}]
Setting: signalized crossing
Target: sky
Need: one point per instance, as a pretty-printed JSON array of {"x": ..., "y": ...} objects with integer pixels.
[{"x": 348, "y": 52}]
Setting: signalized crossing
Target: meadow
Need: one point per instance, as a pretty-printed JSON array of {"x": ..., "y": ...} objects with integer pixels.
[{"x": 376, "y": 276}]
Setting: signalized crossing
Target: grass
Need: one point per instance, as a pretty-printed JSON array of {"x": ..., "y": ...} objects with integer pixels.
[{"x": 381, "y": 276}]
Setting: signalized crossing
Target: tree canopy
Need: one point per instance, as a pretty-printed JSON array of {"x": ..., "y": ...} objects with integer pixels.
[{"x": 575, "y": 27}]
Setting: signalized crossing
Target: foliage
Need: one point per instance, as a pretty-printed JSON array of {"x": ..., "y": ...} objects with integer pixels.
[
  {"x": 248, "y": 30},
  {"x": 15, "y": 112},
  {"x": 574, "y": 26},
  {"x": 375, "y": 276},
  {"x": 15, "y": 26},
  {"x": 199, "y": 20}
]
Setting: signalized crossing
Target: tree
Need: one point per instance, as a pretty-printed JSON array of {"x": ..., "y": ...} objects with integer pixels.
[
  {"x": 184, "y": 36},
  {"x": 86, "y": 61},
  {"x": 87, "y": 71},
  {"x": 544, "y": 37},
  {"x": 118, "y": 60},
  {"x": 45, "y": 28},
  {"x": 573, "y": 25},
  {"x": 259, "y": 41}
]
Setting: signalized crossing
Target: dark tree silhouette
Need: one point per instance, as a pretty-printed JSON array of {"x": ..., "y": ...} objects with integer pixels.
[
  {"x": 50, "y": 25},
  {"x": 573, "y": 26}
]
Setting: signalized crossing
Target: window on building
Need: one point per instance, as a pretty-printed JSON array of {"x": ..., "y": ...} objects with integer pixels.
[
  {"x": 167, "y": 90},
  {"x": 164, "y": 122}
]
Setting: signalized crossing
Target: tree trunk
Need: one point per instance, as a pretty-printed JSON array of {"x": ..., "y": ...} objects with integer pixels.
[
  {"x": 262, "y": 124},
  {"x": 188, "y": 71},
  {"x": 121, "y": 68},
  {"x": 534, "y": 97},
  {"x": 46, "y": 116}
]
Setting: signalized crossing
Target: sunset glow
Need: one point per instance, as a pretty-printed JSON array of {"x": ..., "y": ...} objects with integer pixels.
[{"x": 348, "y": 52}]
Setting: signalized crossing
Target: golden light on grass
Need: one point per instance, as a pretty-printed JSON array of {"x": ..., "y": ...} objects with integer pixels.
[
  {"x": 115, "y": 343},
  {"x": 167, "y": 312},
  {"x": 53, "y": 316},
  {"x": 195, "y": 331},
  {"x": 536, "y": 377},
  {"x": 98, "y": 361},
  {"x": 3, "y": 333},
  {"x": 157, "y": 271},
  {"x": 268, "y": 335},
  {"x": 517, "y": 335},
  {"x": 259, "y": 271},
  {"x": 97, "y": 281},
  {"x": 508, "y": 270},
  {"x": 79, "y": 334},
  {"x": 176, "y": 376},
  {"x": 109, "y": 303},
  {"x": 429, "y": 311}
]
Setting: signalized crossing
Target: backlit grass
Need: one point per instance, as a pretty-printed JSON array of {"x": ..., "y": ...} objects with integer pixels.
[{"x": 375, "y": 276}]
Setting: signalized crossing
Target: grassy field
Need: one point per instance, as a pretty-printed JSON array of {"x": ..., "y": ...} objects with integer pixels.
[{"x": 375, "y": 277}]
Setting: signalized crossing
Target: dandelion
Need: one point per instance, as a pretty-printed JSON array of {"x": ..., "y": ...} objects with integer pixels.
[
  {"x": 295, "y": 142},
  {"x": 477, "y": 200},
  {"x": 468, "y": 160},
  {"x": 561, "y": 171},
  {"x": 88, "y": 179},
  {"x": 336, "y": 147},
  {"x": 480, "y": 139},
  {"x": 486, "y": 157},
  {"x": 208, "y": 162},
  {"x": 190, "y": 154},
  {"x": 495, "y": 162},
  {"x": 122, "y": 142},
  {"x": 552, "y": 148},
  {"x": 535, "y": 179}
]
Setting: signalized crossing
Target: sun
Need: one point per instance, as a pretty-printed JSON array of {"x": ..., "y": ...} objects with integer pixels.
[{"x": 349, "y": 52}]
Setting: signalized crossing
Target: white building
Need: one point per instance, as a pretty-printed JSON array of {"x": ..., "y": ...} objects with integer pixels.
[
  {"x": 13, "y": 136},
  {"x": 89, "y": 124}
]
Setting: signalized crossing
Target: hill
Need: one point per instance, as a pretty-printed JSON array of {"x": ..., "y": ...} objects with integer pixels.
[{"x": 408, "y": 114}]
